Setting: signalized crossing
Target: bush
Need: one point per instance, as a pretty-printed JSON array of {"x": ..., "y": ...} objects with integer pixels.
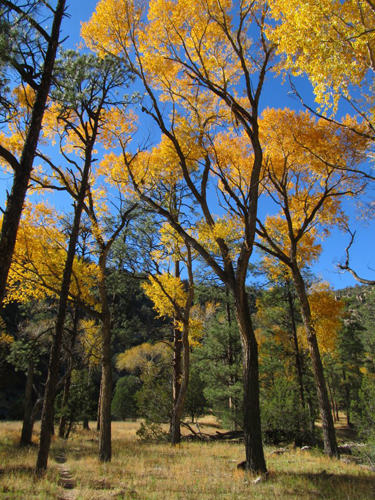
[
  {"x": 283, "y": 417},
  {"x": 124, "y": 403}
]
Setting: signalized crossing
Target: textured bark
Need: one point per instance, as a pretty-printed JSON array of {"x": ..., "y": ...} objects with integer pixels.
[
  {"x": 252, "y": 425},
  {"x": 179, "y": 404},
  {"x": 296, "y": 346},
  {"x": 329, "y": 434},
  {"x": 28, "y": 424},
  {"x": 16, "y": 198},
  {"x": 105, "y": 445}
]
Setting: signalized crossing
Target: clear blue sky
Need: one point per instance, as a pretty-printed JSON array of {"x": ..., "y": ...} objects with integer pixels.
[{"x": 275, "y": 95}]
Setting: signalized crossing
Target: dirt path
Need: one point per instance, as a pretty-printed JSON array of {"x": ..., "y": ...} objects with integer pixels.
[{"x": 66, "y": 480}]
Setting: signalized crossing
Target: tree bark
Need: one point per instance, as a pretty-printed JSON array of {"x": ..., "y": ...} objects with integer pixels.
[
  {"x": 105, "y": 445},
  {"x": 296, "y": 346},
  {"x": 252, "y": 425},
  {"x": 27, "y": 426},
  {"x": 65, "y": 401},
  {"x": 329, "y": 434},
  {"x": 16, "y": 199},
  {"x": 178, "y": 406}
]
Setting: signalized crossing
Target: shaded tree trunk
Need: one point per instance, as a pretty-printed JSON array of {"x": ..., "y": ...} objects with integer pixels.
[
  {"x": 28, "y": 424},
  {"x": 23, "y": 168},
  {"x": 65, "y": 401},
  {"x": 105, "y": 445},
  {"x": 178, "y": 406},
  {"x": 329, "y": 434},
  {"x": 66, "y": 394},
  {"x": 252, "y": 425},
  {"x": 296, "y": 346}
]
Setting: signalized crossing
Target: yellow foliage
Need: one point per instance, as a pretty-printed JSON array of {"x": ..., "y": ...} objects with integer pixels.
[
  {"x": 161, "y": 291},
  {"x": 39, "y": 260},
  {"x": 326, "y": 315},
  {"x": 227, "y": 228},
  {"x": 144, "y": 357},
  {"x": 91, "y": 341},
  {"x": 330, "y": 40}
]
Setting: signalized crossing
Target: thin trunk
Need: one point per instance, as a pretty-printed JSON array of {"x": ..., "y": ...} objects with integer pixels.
[
  {"x": 179, "y": 403},
  {"x": 329, "y": 434},
  {"x": 68, "y": 380},
  {"x": 65, "y": 402},
  {"x": 347, "y": 398},
  {"x": 296, "y": 346},
  {"x": 178, "y": 406},
  {"x": 53, "y": 368},
  {"x": 16, "y": 199},
  {"x": 99, "y": 405},
  {"x": 252, "y": 425},
  {"x": 175, "y": 429},
  {"x": 105, "y": 445},
  {"x": 231, "y": 404},
  {"x": 27, "y": 426}
]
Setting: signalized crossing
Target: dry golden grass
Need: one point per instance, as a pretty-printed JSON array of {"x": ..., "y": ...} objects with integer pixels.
[{"x": 191, "y": 471}]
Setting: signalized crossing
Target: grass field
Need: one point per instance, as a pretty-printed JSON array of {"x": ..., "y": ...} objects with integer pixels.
[{"x": 199, "y": 471}]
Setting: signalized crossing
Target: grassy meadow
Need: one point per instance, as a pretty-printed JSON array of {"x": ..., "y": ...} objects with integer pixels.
[{"x": 191, "y": 471}]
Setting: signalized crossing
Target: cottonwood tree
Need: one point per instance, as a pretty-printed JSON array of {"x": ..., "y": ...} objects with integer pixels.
[
  {"x": 341, "y": 34},
  {"x": 301, "y": 179},
  {"x": 197, "y": 58},
  {"x": 28, "y": 53}
]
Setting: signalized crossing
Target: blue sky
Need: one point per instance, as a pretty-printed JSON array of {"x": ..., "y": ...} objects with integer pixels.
[{"x": 275, "y": 95}]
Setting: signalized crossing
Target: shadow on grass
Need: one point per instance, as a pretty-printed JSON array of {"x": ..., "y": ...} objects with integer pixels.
[
  {"x": 17, "y": 469},
  {"x": 330, "y": 486}
]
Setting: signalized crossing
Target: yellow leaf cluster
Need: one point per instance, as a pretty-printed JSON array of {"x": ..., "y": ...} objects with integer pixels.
[
  {"x": 39, "y": 260},
  {"x": 144, "y": 357},
  {"x": 330, "y": 40},
  {"x": 326, "y": 315},
  {"x": 91, "y": 341},
  {"x": 161, "y": 292},
  {"x": 227, "y": 228}
]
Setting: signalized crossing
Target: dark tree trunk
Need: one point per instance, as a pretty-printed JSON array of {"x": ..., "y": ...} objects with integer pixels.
[
  {"x": 329, "y": 434},
  {"x": 176, "y": 384},
  {"x": 105, "y": 445},
  {"x": 252, "y": 425},
  {"x": 178, "y": 406},
  {"x": 65, "y": 401},
  {"x": 99, "y": 405},
  {"x": 28, "y": 424},
  {"x": 23, "y": 169},
  {"x": 68, "y": 380},
  {"x": 181, "y": 371},
  {"x": 175, "y": 429},
  {"x": 296, "y": 346},
  {"x": 53, "y": 368},
  {"x": 347, "y": 399}
]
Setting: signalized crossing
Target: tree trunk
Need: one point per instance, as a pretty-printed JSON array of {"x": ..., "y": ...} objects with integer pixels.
[
  {"x": 176, "y": 384},
  {"x": 65, "y": 401},
  {"x": 255, "y": 461},
  {"x": 53, "y": 367},
  {"x": 329, "y": 434},
  {"x": 16, "y": 199},
  {"x": 178, "y": 406},
  {"x": 105, "y": 445},
  {"x": 27, "y": 426},
  {"x": 296, "y": 346}
]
